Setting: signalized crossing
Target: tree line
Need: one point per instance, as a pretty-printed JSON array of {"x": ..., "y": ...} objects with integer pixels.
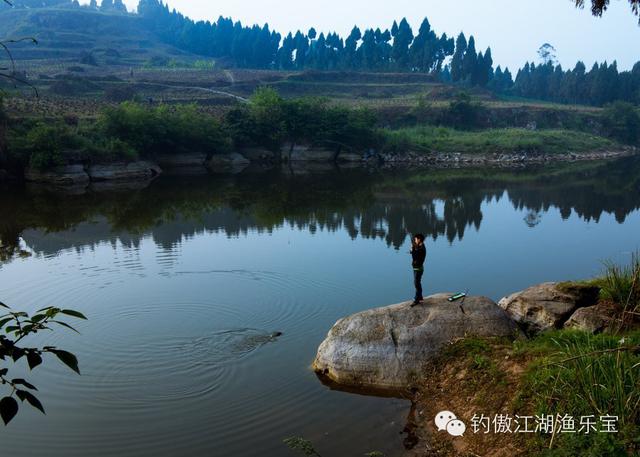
[
  {"x": 601, "y": 85},
  {"x": 396, "y": 49}
]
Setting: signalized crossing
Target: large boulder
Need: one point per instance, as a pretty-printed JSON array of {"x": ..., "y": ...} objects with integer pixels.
[
  {"x": 593, "y": 319},
  {"x": 227, "y": 163},
  {"x": 141, "y": 170},
  {"x": 387, "y": 348},
  {"x": 548, "y": 305},
  {"x": 65, "y": 175}
]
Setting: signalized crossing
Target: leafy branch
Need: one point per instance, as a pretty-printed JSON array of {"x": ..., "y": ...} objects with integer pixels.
[{"x": 17, "y": 325}]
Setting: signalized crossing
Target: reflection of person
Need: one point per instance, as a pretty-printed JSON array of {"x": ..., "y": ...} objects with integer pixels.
[{"x": 418, "y": 255}]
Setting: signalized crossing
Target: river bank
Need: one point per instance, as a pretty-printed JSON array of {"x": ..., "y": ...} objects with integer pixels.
[
  {"x": 304, "y": 160},
  {"x": 559, "y": 350},
  {"x": 136, "y": 142}
]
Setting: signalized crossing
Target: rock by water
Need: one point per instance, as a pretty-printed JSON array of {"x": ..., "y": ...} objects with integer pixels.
[
  {"x": 548, "y": 305},
  {"x": 387, "y": 348}
]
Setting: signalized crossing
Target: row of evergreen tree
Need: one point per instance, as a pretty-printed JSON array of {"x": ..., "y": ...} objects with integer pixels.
[
  {"x": 397, "y": 49},
  {"x": 601, "y": 85}
]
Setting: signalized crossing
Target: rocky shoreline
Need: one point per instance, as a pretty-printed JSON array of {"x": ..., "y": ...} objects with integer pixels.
[
  {"x": 296, "y": 158},
  {"x": 388, "y": 348},
  {"x": 513, "y": 158}
]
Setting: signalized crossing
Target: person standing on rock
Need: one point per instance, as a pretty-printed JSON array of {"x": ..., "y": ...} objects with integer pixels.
[{"x": 418, "y": 255}]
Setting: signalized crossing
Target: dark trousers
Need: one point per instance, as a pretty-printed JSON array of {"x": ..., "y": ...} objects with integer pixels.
[{"x": 417, "y": 281}]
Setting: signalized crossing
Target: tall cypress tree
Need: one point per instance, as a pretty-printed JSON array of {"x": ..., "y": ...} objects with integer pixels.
[
  {"x": 350, "y": 48},
  {"x": 401, "y": 43},
  {"x": 106, "y": 5},
  {"x": 469, "y": 61},
  {"x": 457, "y": 70}
]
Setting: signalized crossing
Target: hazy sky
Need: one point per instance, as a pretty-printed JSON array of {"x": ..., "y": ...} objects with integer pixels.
[{"x": 514, "y": 29}]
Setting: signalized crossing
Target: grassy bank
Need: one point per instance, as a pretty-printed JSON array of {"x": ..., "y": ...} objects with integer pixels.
[
  {"x": 511, "y": 140},
  {"x": 568, "y": 373},
  {"x": 130, "y": 130}
]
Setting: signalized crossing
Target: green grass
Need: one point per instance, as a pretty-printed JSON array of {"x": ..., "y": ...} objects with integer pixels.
[
  {"x": 440, "y": 139},
  {"x": 578, "y": 374},
  {"x": 621, "y": 283}
]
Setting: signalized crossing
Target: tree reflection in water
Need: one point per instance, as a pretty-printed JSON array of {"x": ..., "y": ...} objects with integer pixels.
[{"x": 369, "y": 204}]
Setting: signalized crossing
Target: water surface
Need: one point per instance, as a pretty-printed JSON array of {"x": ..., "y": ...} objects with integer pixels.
[{"x": 184, "y": 282}]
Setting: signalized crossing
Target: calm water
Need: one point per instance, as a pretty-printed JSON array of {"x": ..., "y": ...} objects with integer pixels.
[{"x": 184, "y": 280}]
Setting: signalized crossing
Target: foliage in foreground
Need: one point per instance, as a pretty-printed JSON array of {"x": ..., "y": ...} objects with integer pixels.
[
  {"x": 17, "y": 326},
  {"x": 580, "y": 374}
]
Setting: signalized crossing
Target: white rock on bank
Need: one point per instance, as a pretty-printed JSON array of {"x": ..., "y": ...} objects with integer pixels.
[
  {"x": 66, "y": 175},
  {"x": 387, "y": 348},
  {"x": 548, "y": 305}
]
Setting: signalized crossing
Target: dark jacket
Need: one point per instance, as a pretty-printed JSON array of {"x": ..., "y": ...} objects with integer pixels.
[{"x": 418, "y": 254}]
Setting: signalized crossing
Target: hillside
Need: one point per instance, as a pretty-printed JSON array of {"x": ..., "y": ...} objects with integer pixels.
[
  {"x": 86, "y": 58},
  {"x": 66, "y": 36}
]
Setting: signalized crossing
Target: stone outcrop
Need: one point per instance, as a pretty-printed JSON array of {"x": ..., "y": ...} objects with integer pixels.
[
  {"x": 593, "y": 319},
  {"x": 224, "y": 163},
  {"x": 124, "y": 171},
  {"x": 548, "y": 305},
  {"x": 387, "y": 348},
  {"x": 66, "y": 175}
]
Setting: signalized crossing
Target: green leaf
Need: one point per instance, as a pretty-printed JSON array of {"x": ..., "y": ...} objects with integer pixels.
[
  {"x": 64, "y": 324},
  {"x": 33, "y": 359},
  {"x": 17, "y": 354},
  {"x": 4, "y": 321},
  {"x": 44, "y": 309},
  {"x": 51, "y": 312},
  {"x": 33, "y": 401},
  {"x": 3, "y": 305},
  {"x": 12, "y": 328},
  {"x": 37, "y": 318},
  {"x": 67, "y": 358},
  {"x": 70, "y": 312},
  {"x": 8, "y": 409},
  {"x": 22, "y": 382}
]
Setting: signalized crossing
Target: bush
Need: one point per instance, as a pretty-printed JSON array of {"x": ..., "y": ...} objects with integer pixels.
[
  {"x": 269, "y": 121},
  {"x": 621, "y": 121},
  {"x": 463, "y": 113},
  {"x": 46, "y": 145},
  {"x": 164, "y": 129}
]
